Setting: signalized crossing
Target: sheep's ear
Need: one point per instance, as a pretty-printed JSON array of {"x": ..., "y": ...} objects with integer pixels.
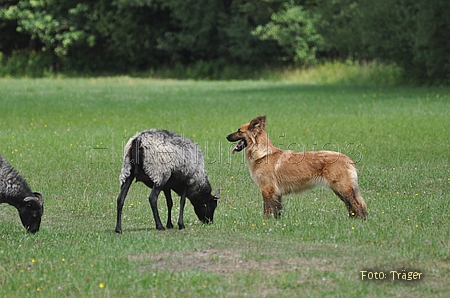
[
  {"x": 36, "y": 201},
  {"x": 39, "y": 197},
  {"x": 217, "y": 195},
  {"x": 32, "y": 202}
]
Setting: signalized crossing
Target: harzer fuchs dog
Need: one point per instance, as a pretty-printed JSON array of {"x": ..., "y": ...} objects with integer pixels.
[{"x": 280, "y": 172}]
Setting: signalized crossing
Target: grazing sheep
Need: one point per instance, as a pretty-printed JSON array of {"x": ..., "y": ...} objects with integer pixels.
[
  {"x": 165, "y": 161},
  {"x": 15, "y": 191}
]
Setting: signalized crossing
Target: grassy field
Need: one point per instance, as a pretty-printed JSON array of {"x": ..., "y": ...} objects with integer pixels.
[{"x": 66, "y": 137}]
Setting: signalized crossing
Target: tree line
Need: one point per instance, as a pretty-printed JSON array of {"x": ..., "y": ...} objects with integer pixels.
[{"x": 136, "y": 35}]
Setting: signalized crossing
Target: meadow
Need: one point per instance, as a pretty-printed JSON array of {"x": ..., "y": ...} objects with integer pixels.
[{"x": 66, "y": 137}]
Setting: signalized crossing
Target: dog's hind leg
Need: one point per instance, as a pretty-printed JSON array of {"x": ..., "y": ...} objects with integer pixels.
[
  {"x": 353, "y": 201},
  {"x": 344, "y": 183},
  {"x": 358, "y": 203},
  {"x": 351, "y": 213}
]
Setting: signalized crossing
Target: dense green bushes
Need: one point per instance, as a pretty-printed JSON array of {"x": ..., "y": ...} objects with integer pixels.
[
  {"x": 222, "y": 39},
  {"x": 26, "y": 63}
]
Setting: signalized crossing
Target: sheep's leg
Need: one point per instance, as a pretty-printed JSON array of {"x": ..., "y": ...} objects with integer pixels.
[
  {"x": 120, "y": 200},
  {"x": 182, "y": 203},
  {"x": 169, "y": 201},
  {"x": 153, "y": 199}
]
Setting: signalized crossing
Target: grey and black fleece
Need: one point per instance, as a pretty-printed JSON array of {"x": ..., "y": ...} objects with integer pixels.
[
  {"x": 15, "y": 191},
  {"x": 165, "y": 161}
]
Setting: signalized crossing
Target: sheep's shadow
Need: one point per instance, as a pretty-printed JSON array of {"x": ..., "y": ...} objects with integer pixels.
[{"x": 140, "y": 230}]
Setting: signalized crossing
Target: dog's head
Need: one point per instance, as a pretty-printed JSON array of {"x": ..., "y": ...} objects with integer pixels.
[{"x": 247, "y": 133}]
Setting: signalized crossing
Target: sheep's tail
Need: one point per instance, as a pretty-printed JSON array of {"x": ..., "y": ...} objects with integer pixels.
[{"x": 128, "y": 160}]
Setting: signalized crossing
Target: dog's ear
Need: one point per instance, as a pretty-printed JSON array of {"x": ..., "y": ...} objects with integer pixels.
[{"x": 258, "y": 122}]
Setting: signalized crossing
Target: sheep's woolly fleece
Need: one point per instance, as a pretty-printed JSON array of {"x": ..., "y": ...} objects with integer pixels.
[
  {"x": 12, "y": 185},
  {"x": 165, "y": 153}
]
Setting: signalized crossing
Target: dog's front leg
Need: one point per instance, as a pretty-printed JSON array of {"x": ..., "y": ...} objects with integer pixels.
[
  {"x": 272, "y": 202},
  {"x": 267, "y": 208}
]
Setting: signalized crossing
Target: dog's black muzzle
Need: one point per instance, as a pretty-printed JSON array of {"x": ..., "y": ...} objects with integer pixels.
[{"x": 240, "y": 145}]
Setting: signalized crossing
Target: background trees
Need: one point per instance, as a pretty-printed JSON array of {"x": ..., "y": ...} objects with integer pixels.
[{"x": 137, "y": 35}]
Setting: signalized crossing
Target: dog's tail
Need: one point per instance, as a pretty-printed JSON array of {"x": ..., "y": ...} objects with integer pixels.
[{"x": 362, "y": 208}]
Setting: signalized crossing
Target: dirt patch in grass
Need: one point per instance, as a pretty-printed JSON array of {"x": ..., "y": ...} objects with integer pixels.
[{"x": 228, "y": 262}]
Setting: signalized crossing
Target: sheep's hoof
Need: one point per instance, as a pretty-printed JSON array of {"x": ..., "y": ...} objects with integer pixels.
[
  {"x": 181, "y": 227},
  {"x": 169, "y": 226},
  {"x": 118, "y": 231},
  {"x": 161, "y": 228}
]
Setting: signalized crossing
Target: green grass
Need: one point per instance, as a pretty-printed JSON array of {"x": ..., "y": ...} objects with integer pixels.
[
  {"x": 348, "y": 73},
  {"x": 66, "y": 136}
]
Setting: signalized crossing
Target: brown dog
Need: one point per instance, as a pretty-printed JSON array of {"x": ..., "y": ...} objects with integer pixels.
[{"x": 280, "y": 172}]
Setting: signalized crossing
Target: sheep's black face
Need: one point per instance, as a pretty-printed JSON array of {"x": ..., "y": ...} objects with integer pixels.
[
  {"x": 205, "y": 211},
  {"x": 31, "y": 218},
  {"x": 31, "y": 213}
]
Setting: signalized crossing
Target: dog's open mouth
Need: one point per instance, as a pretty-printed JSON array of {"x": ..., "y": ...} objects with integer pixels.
[{"x": 239, "y": 146}]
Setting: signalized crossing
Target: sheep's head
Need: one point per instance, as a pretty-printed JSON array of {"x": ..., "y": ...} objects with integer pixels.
[
  {"x": 205, "y": 210},
  {"x": 31, "y": 212}
]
